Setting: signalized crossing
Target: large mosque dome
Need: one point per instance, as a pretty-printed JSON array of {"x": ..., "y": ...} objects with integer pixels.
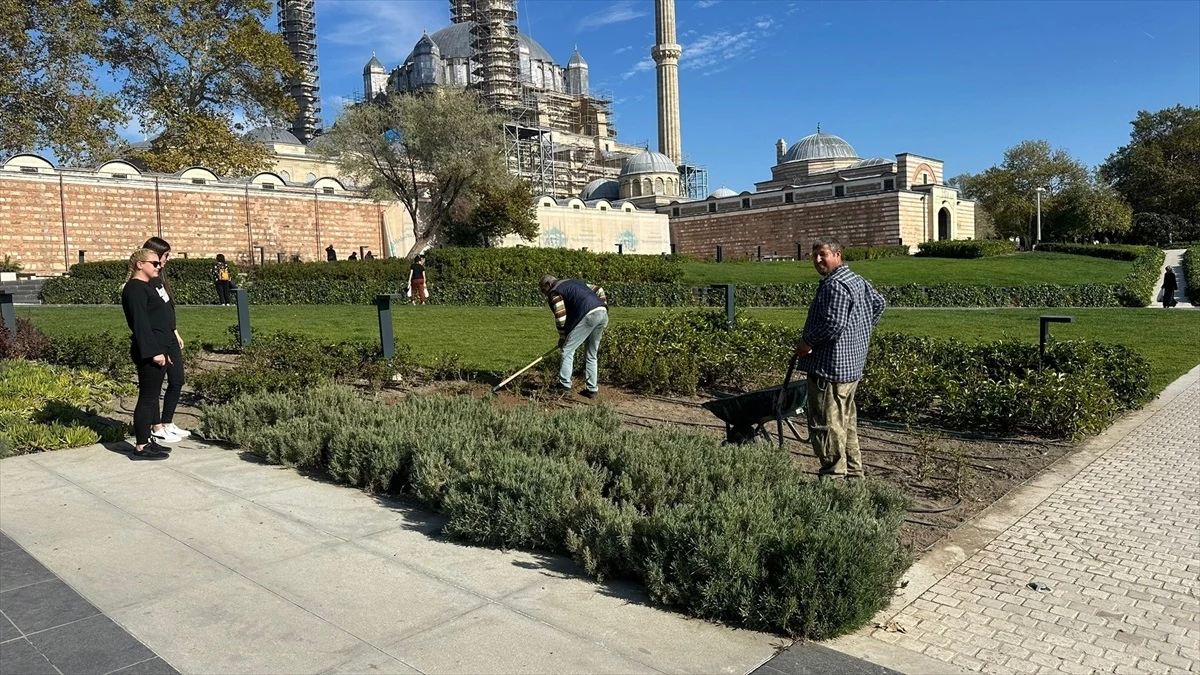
[
  {"x": 819, "y": 146},
  {"x": 454, "y": 42},
  {"x": 648, "y": 161}
]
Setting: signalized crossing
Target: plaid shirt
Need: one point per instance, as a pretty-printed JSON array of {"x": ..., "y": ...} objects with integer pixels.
[{"x": 843, "y": 314}]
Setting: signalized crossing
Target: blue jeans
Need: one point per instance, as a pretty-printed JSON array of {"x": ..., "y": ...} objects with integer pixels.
[{"x": 591, "y": 328}]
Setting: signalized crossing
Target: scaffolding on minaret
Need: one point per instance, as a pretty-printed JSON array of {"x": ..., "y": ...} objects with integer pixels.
[
  {"x": 494, "y": 43},
  {"x": 298, "y": 25}
]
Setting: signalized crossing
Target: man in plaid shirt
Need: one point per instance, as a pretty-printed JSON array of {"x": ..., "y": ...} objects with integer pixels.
[
  {"x": 833, "y": 352},
  {"x": 580, "y": 314}
]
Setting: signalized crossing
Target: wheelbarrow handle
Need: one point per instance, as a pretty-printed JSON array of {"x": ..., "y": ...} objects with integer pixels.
[
  {"x": 533, "y": 363},
  {"x": 786, "y": 381}
]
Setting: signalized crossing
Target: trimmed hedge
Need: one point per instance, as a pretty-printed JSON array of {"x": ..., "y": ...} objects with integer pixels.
[
  {"x": 1138, "y": 287},
  {"x": 504, "y": 265},
  {"x": 1002, "y": 386},
  {"x": 729, "y": 533},
  {"x": 73, "y": 291},
  {"x": 855, "y": 253},
  {"x": 179, "y": 270},
  {"x": 1191, "y": 274},
  {"x": 969, "y": 248}
]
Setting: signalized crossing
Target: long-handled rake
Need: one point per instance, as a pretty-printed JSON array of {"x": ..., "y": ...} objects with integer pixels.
[{"x": 514, "y": 376}]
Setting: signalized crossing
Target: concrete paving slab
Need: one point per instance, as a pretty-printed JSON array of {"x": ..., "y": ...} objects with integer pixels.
[
  {"x": 56, "y": 512},
  {"x": 488, "y": 572},
  {"x": 18, "y": 569},
  {"x": 364, "y": 593},
  {"x": 243, "y": 536},
  {"x": 22, "y": 475},
  {"x": 161, "y": 498},
  {"x": 370, "y": 660},
  {"x": 235, "y": 626},
  {"x": 154, "y": 666},
  {"x": 243, "y": 476},
  {"x": 20, "y": 656},
  {"x": 349, "y": 514},
  {"x": 618, "y": 616},
  {"x": 93, "y": 465},
  {"x": 503, "y": 641},
  {"x": 7, "y": 630}
]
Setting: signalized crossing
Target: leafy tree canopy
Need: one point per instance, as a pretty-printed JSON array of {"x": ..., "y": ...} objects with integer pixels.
[
  {"x": 503, "y": 208},
  {"x": 1159, "y": 171},
  {"x": 48, "y": 97},
  {"x": 435, "y": 153}
]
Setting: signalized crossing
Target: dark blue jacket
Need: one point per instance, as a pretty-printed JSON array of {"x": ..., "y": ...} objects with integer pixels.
[{"x": 571, "y": 300}]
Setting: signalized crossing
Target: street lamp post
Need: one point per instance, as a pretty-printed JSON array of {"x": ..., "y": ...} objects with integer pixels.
[{"x": 1040, "y": 190}]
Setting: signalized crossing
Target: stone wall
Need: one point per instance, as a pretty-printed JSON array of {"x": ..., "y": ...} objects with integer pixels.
[
  {"x": 47, "y": 217},
  {"x": 599, "y": 227},
  {"x": 872, "y": 220}
]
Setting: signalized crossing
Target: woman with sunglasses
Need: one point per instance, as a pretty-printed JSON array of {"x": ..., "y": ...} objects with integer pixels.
[
  {"x": 151, "y": 319},
  {"x": 164, "y": 429}
]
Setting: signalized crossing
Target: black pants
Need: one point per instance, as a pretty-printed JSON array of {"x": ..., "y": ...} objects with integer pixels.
[
  {"x": 150, "y": 381},
  {"x": 222, "y": 292},
  {"x": 174, "y": 373}
]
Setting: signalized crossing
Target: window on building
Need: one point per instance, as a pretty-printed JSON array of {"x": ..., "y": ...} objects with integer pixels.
[
  {"x": 889, "y": 184},
  {"x": 120, "y": 176},
  {"x": 198, "y": 181},
  {"x": 603, "y": 207},
  {"x": 675, "y": 212},
  {"x": 327, "y": 190},
  {"x": 712, "y": 208},
  {"x": 839, "y": 191},
  {"x": 924, "y": 179},
  {"x": 29, "y": 169},
  {"x": 575, "y": 206},
  {"x": 268, "y": 186},
  {"x": 789, "y": 197},
  {"x": 745, "y": 202}
]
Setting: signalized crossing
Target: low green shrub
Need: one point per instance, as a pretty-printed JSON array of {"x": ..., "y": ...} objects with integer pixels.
[
  {"x": 1109, "y": 251},
  {"x": 485, "y": 265},
  {"x": 966, "y": 248},
  {"x": 104, "y": 352},
  {"x": 1137, "y": 290},
  {"x": 681, "y": 352},
  {"x": 283, "y": 361},
  {"x": 1191, "y": 274},
  {"x": 44, "y": 407},
  {"x": 9, "y": 264},
  {"x": 179, "y": 270},
  {"x": 732, "y": 533},
  {"x": 853, "y": 253},
  {"x": 73, "y": 291}
]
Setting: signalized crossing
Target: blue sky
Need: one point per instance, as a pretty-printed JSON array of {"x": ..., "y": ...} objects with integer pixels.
[{"x": 958, "y": 81}]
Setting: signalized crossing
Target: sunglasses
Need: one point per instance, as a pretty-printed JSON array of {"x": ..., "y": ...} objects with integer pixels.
[{"x": 156, "y": 263}]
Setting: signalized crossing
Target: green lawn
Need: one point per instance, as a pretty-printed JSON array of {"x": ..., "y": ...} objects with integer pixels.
[
  {"x": 1022, "y": 269},
  {"x": 500, "y": 338}
]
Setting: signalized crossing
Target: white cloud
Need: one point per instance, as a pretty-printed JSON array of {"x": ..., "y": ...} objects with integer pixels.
[
  {"x": 618, "y": 12},
  {"x": 792, "y": 8},
  {"x": 764, "y": 22},
  {"x": 713, "y": 48},
  {"x": 622, "y": 50},
  {"x": 705, "y": 4},
  {"x": 643, "y": 66}
]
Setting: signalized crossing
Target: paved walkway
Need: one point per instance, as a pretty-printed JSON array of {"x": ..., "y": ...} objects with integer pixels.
[
  {"x": 1174, "y": 260},
  {"x": 220, "y": 564},
  {"x": 1113, "y": 531}
]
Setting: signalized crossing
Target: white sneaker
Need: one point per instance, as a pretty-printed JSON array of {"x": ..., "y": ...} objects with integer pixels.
[
  {"x": 182, "y": 433},
  {"x": 164, "y": 435}
]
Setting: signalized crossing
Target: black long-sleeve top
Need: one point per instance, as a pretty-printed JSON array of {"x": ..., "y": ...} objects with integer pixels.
[{"x": 150, "y": 317}]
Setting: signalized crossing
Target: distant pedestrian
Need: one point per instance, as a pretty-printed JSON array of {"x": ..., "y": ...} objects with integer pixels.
[
  {"x": 353, "y": 256},
  {"x": 418, "y": 290},
  {"x": 833, "y": 351},
  {"x": 222, "y": 279},
  {"x": 369, "y": 256},
  {"x": 150, "y": 319},
  {"x": 330, "y": 254},
  {"x": 580, "y": 314},
  {"x": 165, "y": 429},
  {"x": 1170, "y": 285}
]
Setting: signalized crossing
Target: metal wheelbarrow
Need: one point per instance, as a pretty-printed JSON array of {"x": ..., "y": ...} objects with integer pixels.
[{"x": 746, "y": 415}]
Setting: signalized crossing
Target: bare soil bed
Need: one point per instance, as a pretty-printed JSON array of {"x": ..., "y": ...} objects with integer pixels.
[{"x": 950, "y": 476}]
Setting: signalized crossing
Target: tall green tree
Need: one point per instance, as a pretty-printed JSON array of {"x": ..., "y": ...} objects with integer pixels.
[
  {"x": 504, "y": 207},
  {"x": 434, "y": 153},
  {"x": 48, "y": 97},
  {"x": 1073, "y": 205},
  {"x": 189, "y": 67},
  {"x": 1159, "y": 171}
]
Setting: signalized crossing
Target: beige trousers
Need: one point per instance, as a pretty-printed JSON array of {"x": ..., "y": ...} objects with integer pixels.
[{"x": 833, "y": 427}]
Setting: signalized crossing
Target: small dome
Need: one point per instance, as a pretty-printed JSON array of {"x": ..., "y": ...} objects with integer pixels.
[
  {"x": 648, "y": 161},
  {"x": 577, "y": 60},
  {"x": 373, "y": 66},
  {"x": 272, "y": 135},
  {"x": 874, "y": 161},
  {"x": 601, "y": 188},
  {"x": 425, "y": 46},
  {"x": 723, "y": 192},
  {"x": 819, "y": 146}
]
